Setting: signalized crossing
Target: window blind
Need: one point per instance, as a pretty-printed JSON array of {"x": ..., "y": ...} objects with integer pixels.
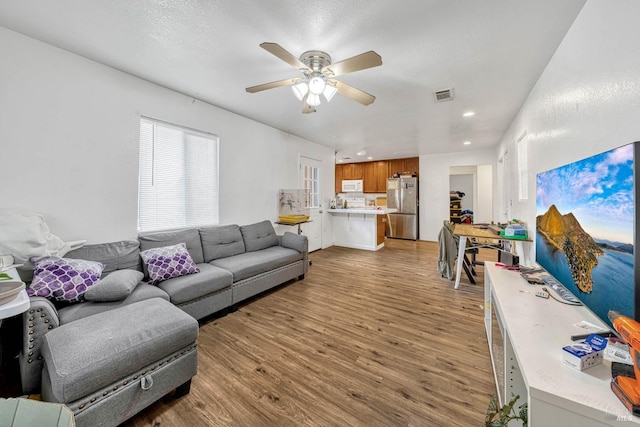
[{"x": 178, "y": 182}]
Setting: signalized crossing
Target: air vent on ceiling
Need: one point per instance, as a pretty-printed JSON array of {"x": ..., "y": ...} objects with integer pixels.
[{"x": 443, "y": 95}]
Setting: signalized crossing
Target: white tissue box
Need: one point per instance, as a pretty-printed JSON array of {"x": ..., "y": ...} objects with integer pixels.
[{"x": 585, "y": 354}]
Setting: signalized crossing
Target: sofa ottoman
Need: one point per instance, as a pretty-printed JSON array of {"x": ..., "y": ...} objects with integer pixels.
[{"x": 109, "y": 366}]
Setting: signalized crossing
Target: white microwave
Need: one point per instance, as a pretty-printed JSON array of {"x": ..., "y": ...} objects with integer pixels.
[{"x": 352, "y": 186}]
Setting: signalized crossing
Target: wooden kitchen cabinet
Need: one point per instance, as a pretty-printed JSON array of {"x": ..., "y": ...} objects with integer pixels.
[
  {"x": 370, "y": 177},
  {"x": 375, "y": 176},
  {"x": 339, "y": 169},
  {"x": 395, "y": 166},
  {"x": 382, "y": 175},
  {"x": 352, "y": 171},
  {"x": 410, "y": 166},
  {"x": 381, "y": 229}
]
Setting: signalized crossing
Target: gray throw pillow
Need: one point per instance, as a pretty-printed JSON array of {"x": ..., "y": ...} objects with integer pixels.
[
  {"x": 115, "y": 286},
  {"x": 119, "y": 255}
]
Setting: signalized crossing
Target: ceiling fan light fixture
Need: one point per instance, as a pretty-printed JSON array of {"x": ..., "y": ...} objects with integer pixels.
[
  {"x": 319, "y": 71},
  {"x": 317, "y": 85},
  {"x": 300, "y": 90},
  {"x": 313, "y": 99},
  {"x": 329, "y": 91}
]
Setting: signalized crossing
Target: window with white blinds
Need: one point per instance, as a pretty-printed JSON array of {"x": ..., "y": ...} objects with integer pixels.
[{"x": 178, "y": 183}]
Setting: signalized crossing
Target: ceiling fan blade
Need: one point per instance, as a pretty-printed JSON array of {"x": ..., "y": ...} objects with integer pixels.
[
  {"x": 351, "y": 92},
  {"x": 306, "y": 108},
  {"x": 281, "y": 53},
  {"x": 265, "y": 86},
  {"x": 355, "y": 63}
]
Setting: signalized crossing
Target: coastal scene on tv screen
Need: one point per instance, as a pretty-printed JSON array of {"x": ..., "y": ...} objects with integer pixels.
[{"x": 585, "y": 228}]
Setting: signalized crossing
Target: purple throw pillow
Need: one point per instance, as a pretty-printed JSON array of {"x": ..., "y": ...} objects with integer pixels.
[
  {"x": 168, "y": 262},
  {"x": 63, "y": 279}
]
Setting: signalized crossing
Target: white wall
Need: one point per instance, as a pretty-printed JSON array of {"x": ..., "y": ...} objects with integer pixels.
[
  {"x": 434, "y": 186},
  {"x": 464, "y": 183},
  {"x": 480, "y": 198},
  {"x": 484, "y": 212},
  {"x": 69, "y": 131},
  {"x": 586, "y": 101}
]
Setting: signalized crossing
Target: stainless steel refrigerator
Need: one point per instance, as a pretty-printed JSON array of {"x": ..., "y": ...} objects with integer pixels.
[{"x": 402, "y": 194}]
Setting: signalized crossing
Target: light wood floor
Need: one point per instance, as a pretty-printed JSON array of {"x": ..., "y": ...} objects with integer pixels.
[{"x": 366, "y": 339}]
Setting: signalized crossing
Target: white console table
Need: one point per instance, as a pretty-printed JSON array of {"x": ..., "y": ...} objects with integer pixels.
[{"x": 526, "y": 335}]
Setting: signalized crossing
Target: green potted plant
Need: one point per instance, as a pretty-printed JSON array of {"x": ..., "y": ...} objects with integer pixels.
[{"x": 500, "y": 417}]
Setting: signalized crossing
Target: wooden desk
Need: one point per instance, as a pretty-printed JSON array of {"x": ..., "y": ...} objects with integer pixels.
[
  {"x": 480, "y": 238},
  {"x": 298, "y": 224}
]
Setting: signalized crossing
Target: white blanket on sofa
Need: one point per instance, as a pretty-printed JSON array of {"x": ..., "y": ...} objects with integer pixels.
[{"x": 25, "y": 235}]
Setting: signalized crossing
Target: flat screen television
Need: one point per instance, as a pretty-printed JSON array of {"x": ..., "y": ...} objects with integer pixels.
[{"x": 586, "y": 229}]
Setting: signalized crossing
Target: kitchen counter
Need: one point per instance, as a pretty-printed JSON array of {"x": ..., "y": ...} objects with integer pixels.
[
  {"x": 360, "y": 228},
  {"x": 365, "y": 211}
]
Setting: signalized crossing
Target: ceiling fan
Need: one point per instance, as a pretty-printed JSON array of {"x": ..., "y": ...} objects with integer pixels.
[{"x": 319, "y": 75}]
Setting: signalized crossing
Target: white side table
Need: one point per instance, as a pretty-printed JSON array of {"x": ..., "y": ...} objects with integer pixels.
[{"x": 18, "y": 305}]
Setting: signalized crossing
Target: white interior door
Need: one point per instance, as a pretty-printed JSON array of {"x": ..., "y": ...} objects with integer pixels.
[{"x": 309, "y": 179}]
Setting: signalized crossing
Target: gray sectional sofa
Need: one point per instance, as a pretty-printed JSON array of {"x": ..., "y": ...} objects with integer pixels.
[{"x": 234, "y": 263}]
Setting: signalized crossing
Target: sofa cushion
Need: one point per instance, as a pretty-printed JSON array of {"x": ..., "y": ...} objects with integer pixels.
[
  {"x": 168, "y": 238},
  {"x": 121, "y": 255},
  {"x": 141, "y": 292},
  {"x": 260, "y": 235},
  {"x": 115, "y": 286},
  {"x": 63, "y": 279},
  {"x": 251, "y": 264},
  {"x": 221, "y": 241},
  {"x": 83, "y": 357},
  {"x": 186, "y": 288},
  {"x": 168, "y": 262}
]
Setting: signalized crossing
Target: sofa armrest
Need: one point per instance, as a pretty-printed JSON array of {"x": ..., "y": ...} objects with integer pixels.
[
  {"x": 39, "y": 319},
  {"x": 295, "y": 241}
]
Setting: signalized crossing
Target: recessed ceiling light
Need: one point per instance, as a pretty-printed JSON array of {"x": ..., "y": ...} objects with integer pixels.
[
  {"x": 469, "y": 114},
  {"x": 369, "y": 158},
  {"x": 467, "y": 143},
  {"x": 361, "y": 153}
]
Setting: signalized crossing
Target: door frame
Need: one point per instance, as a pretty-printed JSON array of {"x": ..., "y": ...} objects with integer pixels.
[{"x": 314, "y": 228}]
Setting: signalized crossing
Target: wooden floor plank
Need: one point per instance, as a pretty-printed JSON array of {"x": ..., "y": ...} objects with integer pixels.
[{"x": 366, "y": 339}]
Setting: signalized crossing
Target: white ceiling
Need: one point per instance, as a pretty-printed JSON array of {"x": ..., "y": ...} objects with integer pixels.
[{"x": 491, "y": 52}]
